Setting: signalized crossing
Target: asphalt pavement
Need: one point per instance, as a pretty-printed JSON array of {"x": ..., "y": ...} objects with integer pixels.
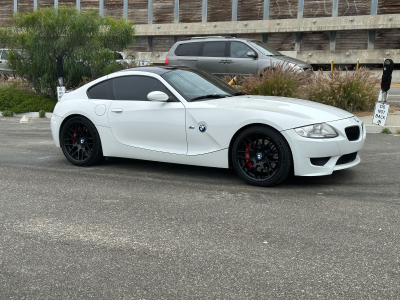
[{"x": 130, "y": 229}]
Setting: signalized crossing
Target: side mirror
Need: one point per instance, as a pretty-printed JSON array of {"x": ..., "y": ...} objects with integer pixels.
[
  {"x": 251, "y": 54},
  {"x": 158, "y": 96}
]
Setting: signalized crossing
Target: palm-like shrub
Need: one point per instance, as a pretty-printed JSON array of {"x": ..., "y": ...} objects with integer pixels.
[{"x": 351, "y": 91}]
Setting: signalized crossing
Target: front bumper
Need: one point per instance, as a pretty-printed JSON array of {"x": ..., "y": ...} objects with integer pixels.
[{"x": 303, "y": 149}]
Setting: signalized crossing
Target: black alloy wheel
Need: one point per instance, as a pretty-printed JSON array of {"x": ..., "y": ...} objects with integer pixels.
[
  {"x": 261, "y": 156},
  {"x": 80, "y": 142}
]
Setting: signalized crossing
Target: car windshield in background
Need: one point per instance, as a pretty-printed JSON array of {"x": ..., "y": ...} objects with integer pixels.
[
  {"x": 198, "y": 85},
  {"x": 264, "y": 48}
]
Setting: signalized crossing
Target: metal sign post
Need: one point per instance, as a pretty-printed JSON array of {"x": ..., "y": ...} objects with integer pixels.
[{"x": 381, "y": 107}]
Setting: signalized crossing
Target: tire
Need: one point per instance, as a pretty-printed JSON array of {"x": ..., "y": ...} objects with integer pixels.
[
  {"x": 261, "y": 156},
  {"x": 80, "y": 142}
]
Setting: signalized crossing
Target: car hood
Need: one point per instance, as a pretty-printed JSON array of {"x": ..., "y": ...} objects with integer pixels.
[
  {"x": 292, "y": 112},
  {"x": 296, "y": 61}
]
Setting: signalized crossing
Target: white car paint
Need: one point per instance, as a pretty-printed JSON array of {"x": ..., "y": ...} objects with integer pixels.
[{"x": 169, "y": 131}]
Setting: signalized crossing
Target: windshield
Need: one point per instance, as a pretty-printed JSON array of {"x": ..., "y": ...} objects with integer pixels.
[
  {"x": 264, "y": 48},
  {"x": 196, "y": 85}
]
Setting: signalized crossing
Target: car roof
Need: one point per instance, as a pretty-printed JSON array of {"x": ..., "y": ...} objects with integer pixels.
[
  {"x": 159, "y": 70},
  {"x": 203, "y": 38}
]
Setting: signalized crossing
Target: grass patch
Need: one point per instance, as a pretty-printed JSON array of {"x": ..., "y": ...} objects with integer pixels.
[
  {"x": 18, "y": 98},
  {"x": 7, "y": 113},
  {"x": 386, "y": 131},
  {"x": 397, "y": 131}
]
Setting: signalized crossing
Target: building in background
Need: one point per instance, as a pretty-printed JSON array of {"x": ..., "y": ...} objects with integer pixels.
[{"x": 318, "y": 31}]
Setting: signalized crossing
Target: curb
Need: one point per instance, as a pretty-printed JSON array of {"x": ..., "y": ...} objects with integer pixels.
[
  {"x": 31, "y": 115},
  {"x": 378, "y": 129}
]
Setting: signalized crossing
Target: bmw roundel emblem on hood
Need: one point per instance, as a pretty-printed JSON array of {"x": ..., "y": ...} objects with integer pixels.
[{"x": 202, "y": 128}]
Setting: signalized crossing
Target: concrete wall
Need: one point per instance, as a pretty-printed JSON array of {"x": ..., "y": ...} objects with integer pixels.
[{"x": 318, "y": 31}]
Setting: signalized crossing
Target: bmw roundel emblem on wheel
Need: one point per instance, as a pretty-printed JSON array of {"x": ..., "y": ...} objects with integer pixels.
[{"x": 264, "y": 139}]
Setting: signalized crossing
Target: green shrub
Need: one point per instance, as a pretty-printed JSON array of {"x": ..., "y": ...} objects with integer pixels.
[
  {"x": 386, "y": 131},
  {"x": 42, "y": 114},
  {"x": 85, "y": 40},
  {"x": 279, "y": 80},
  {"x": 7, "y": 113},
  {"x": 351, "y": 91},
  {"x": 20, "y": 99}
]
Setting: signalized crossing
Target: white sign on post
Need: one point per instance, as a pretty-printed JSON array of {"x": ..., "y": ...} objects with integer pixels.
[
  {"x": 60, "y": 92},
  {"x": 381, "y": 113}
]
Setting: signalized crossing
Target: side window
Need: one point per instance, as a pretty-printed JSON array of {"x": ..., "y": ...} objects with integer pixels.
[
  {"x": 239, "y": 50},
  {"x": 214, "y": 49},
  {"x": 102, "y": 90},
  {"x": 188, "y": 49},
  {"x": 4, "y": 55},
  {"x": 137, "y": 88}
]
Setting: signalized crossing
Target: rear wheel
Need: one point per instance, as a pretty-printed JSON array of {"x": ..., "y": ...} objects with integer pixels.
[
  {"x": 80, "y": 142},
  {"x": 261, "y": 156}
]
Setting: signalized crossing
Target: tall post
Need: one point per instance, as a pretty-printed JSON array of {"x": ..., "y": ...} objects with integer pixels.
[
  {"x": 176, "y": 11},
  {"x": 101, "y": 7},
  {"x": 150, "y": 12},
  {"x": 56, "y": 4},
  {"x": 126, "y": 10},
  {"x": 374, "y": 7},
  {"x": 204, "y": 11},
  {"x": 300, "y": 9},
  {"x": 234, "y": 10},
  {"x": 34, "y": 4},
  {"x": 332, "y": 43},
  {"x": 265, "y": 17},
  {"x": 371, "y": 39},
  {"x": 335, "y": 8},
  {"x": 78, "y": 5},
  {"x": 298, "y": 41},
  {"x": 15, "y": 6}
]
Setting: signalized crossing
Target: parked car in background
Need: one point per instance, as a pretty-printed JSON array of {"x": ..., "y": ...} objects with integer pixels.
[
  {"x": 228, "y": 56},
  {"x": 4, "y": 60}
]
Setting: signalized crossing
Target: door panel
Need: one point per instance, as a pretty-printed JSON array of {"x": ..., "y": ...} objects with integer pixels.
[
  {"x": 213, "y": 58},
  {"x": 135, "y": 121},
  {"x": 158, "y": 126},
  {"x": 239, "y": 63}
]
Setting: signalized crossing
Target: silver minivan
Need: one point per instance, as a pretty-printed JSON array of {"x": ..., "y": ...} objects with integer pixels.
[{"x": 228, "y": 56}]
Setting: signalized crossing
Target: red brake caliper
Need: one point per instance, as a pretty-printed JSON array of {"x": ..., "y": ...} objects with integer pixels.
[
  {"x": 247, "y": 155},
  {"x": 73, "y": 141}
]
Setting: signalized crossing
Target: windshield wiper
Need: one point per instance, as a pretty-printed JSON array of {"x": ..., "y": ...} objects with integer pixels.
[
  {"x": 212, "y": 96},
  {"x": 239, "y": 94}
]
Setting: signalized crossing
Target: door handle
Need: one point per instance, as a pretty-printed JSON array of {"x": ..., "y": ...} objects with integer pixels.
[
  {"x": 117, "y": 111},
  {"x": 229, "y": 62},
  {"x": 222, "y": 61}
]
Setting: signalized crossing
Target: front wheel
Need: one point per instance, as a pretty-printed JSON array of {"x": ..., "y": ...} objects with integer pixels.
[
  {"x": 261, "y": 156},
  {"x": 80, "y": 142}
]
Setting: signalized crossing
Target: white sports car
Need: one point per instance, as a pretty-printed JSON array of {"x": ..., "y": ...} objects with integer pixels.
[{"x": 186, "y": 116}]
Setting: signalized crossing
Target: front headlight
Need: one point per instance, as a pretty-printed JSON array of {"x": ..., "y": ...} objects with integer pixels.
[{"x": 317, "y": 131}]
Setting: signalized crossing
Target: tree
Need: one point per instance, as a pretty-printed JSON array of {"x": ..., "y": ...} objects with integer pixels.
[{"x": 85, "y": 40}]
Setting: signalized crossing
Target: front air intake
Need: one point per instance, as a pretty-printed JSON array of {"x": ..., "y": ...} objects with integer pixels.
[
  {"x": 347, "y": 158},
  {"x": 352, "y": 133}
]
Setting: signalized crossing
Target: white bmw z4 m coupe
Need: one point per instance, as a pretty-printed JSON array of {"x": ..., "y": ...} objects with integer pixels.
[{"x": 186, "y": 116}]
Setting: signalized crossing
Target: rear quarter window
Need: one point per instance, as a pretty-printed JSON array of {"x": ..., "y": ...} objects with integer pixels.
[
  {"x": 103, "y": 90},
  {"x": 188, "y": 49}
]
